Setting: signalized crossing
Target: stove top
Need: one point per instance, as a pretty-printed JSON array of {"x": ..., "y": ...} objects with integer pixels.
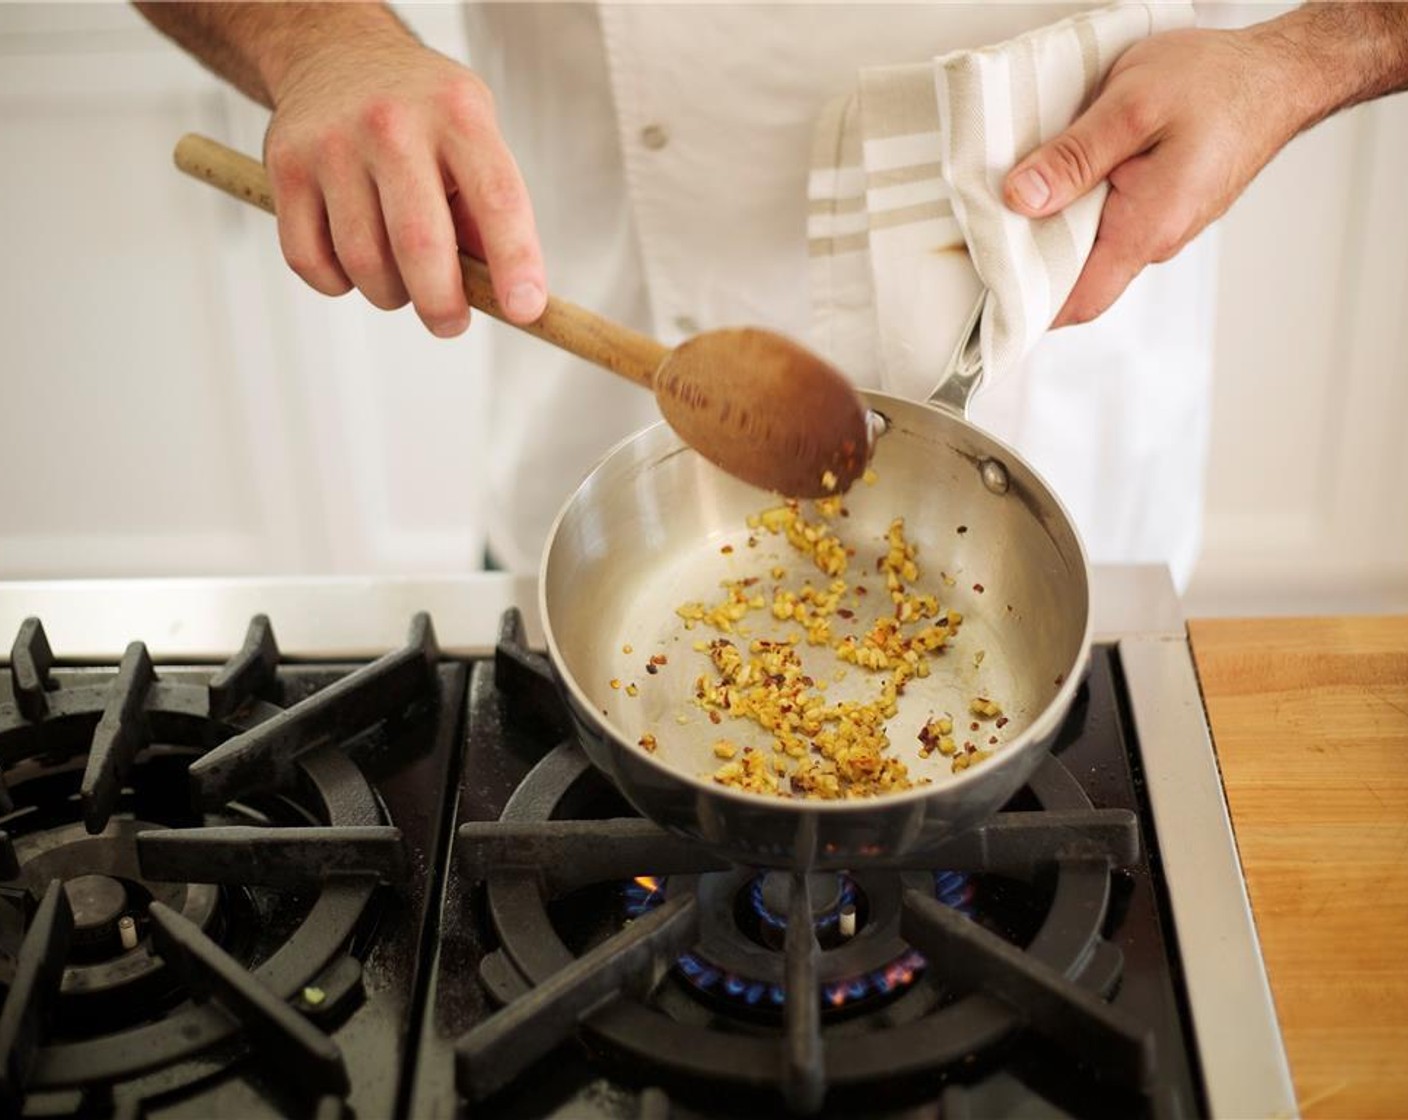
[
  {"x": 323, "y": 886},
  {"x": 592, "y": 965},
  {"x": 217, "y": 882}
]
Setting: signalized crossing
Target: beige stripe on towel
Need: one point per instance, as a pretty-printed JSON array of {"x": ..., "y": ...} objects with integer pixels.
[{"x": 910, "y": 166}]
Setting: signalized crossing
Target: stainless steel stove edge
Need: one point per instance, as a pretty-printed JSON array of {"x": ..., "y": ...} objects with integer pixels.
[
  {"x": 1243, "y": 1058},
  {"x": 323, "y": 617},
  {"x": 363, "y": 616}
]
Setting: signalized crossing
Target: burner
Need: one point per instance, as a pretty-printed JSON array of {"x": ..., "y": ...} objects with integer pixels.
[
  {"x": 1014, "y": 916},
  {"x": 108, "y": 995},
  {"x": 595, "y": 965},
  {"x": 104, "y": 883},
  {"x": 840, "y": 909},
  {"x": 97, "y": 902},
  {"x": 831, "y": 895},
  {"x": 169, "y": 840}
]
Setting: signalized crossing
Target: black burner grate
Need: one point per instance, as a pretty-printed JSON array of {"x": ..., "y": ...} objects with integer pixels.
[
  {"x": 570, "y": 989},
  {"x": 994, "y": 1008},
  {"x": 187, "y": 871}
]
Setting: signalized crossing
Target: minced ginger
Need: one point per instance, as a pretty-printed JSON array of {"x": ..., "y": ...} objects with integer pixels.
[{"x": 820, "y": 749}]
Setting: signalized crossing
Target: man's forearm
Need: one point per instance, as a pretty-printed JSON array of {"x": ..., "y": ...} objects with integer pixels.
[
  {"x": 253, "y": 45},
  {"x": 1338, "y": 54}
]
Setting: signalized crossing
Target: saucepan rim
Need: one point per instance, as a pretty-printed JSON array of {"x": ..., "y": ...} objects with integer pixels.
[{"x": 1041, "y": 728}]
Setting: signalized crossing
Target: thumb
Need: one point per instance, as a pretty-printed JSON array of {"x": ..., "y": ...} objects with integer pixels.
[{"x": 1069, "y": 166}]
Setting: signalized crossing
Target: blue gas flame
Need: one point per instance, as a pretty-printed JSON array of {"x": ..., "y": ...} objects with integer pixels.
[{"x": 953, "y": 888}]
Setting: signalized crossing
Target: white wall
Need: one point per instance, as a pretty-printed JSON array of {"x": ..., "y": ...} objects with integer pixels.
[
  {"x": 175, "y": 402},
  {"x": 1308, "y": 478}
]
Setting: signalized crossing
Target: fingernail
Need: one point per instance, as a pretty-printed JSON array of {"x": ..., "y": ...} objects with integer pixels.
[
  {"x": 450, "y": 328},
  {"x": 525, "y": 301},
  {"x": 1031, "y": 188}
]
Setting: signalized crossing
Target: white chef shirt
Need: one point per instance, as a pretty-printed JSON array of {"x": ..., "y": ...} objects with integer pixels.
[{"x": 666, "y": 148}]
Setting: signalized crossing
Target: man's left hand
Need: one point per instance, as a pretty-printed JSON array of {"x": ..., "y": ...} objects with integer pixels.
[{"x": 1184, "y": 121}]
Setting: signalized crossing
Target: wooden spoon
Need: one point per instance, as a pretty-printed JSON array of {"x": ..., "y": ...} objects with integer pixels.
[{"x": 753, "y": 402}]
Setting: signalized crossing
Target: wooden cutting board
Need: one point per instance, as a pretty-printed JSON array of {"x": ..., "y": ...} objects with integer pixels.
[{"x": 1310, "y": 720}]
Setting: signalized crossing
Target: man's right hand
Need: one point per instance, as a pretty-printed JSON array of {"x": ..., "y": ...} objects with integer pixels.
[{"x": 383, "y": 155}]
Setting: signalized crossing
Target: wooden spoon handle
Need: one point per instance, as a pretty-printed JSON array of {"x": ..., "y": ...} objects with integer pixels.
[{"x": 623, "y": 351}]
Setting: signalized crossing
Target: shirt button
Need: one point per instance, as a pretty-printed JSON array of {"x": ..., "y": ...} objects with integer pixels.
[
  {"x": 685, "y": 325},
  {"x": 654, "y": 136}
]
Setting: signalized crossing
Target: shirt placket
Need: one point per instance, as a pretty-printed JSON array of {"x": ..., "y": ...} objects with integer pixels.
[{"x": 649, "y": 129}]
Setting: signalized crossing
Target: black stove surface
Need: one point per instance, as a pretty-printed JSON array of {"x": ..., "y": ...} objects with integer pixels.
[
  {"x": 642, "y": 1010},
  {"x": 216, "y": 882},
  {"x": 399, "y": 889}
]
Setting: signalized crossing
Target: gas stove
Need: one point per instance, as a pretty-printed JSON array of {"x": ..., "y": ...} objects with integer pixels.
[
  {"x": 309, "y": 877},
  {"x": 218, "y": 881}
]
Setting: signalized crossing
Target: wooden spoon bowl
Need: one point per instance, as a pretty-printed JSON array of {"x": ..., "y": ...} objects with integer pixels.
[
  {"x": 752, "y": 402},
  {"x": 766, "y": 410}
]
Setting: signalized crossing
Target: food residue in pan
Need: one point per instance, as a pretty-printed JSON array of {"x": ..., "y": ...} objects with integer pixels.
[{"x": 822, "y": 749}]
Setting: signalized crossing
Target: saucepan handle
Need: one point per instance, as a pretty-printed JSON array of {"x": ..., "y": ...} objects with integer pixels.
[{"x": 964, "y": 372}]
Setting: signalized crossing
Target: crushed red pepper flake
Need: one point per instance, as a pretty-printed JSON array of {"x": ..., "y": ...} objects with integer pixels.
[{"x": 821, "y": 760}]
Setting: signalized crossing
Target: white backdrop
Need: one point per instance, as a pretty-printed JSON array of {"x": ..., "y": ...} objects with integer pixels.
[{"x": 175, "y": 402}]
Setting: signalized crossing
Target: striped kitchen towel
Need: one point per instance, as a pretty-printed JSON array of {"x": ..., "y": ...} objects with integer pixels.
[{"x": 906, "y": 225}]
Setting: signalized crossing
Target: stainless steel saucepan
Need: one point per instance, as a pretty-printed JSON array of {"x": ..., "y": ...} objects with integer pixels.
[{"x": 656, "y": 526}]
